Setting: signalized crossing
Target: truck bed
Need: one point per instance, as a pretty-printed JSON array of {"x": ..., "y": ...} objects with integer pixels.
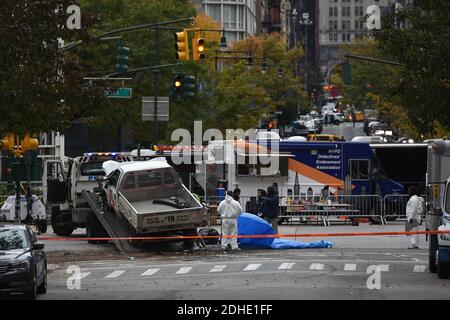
[{"x": 148, "y": 206}]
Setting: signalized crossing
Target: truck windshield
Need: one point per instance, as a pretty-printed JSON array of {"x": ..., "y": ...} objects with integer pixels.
[
  {"x": 12, "y": 239},
  {"x": 92, "y": 169},
  {"x": 447, "y": 199}
]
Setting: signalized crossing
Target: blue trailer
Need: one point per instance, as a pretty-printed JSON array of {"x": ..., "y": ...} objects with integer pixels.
[{"x": 348, "y": 166}]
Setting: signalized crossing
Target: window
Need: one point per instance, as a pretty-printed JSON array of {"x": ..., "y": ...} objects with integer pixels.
[
  {"x": 13, "y": 239},
  {"x": 92, "y": 169},
  {"x": 330, "y": 37},
  {"x": 114, "y": 178},
  {"x": 331, "y": 12},
  {"x": 335, "y": 11},
  {"x": 129, "y": 182},
  {"x": 356, "y": 24},
  {"x": 169, "y": 178},
  {"x": 241, "y": 17},
  {"x": 214, "y": 12},
  {"x": 343, "y": 37},
  {"x": 359, "y": 169},
  {"x": 335, "y": 37},
  {"x": 149, "y": 179},
  {"x": 229, "y": 16},
  {"x": 348, "y": 37}
]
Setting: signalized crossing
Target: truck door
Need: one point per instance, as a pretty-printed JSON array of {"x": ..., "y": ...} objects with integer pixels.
[
  {"x": 111, "y": 192},
  {"x": 54, "y": 182}
]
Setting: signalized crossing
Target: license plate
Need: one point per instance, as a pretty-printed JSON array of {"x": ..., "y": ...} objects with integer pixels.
[{"x": 170, "y": 219}]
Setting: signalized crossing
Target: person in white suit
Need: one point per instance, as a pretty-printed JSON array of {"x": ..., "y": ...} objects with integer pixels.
[
  {"x": 229, "y": 210},
  {"x": 414, "y": 211}
]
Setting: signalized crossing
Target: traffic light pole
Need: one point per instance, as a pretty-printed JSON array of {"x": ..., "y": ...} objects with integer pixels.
[{"x": 155, "y": 85}]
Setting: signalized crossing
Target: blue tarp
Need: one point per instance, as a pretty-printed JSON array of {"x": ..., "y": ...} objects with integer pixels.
[{"x": 250, "y": 224}]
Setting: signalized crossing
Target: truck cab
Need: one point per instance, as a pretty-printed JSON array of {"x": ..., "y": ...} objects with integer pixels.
[
  {"x": 438, "y": 206},
  {"x": 151, "y": 197}
]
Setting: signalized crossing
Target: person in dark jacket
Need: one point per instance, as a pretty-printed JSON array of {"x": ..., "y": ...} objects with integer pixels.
[
  {"x": 270, "y": 208},
  {"x": 262, "y": 194},
  {"x": 237, "y": 194}
]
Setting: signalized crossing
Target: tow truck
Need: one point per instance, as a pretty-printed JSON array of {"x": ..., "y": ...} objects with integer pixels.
[
  {"x": 438, "y": 206},
  {"x": 63, "y": 193}
]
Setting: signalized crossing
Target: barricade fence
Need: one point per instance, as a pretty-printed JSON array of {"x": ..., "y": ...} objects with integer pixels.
[{"x": 376, "y": 208}]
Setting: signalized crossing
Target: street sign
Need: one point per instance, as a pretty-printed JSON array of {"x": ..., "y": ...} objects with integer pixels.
[
  {"x": 121, "y": 93},
  {"x": 148, "y": 109}
]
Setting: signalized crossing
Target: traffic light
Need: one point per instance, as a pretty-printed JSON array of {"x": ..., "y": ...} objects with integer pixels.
[
  {"x": 189, "y": 86},
  {"x": 7, "y": 143},
  {"x": 123, "y": 57},
  {"x": 198, "y": 48},
  {"x": 347, "y": 74},
  {"x": 29, "y": 143},
  {"x": 182, "y": 45},
  {"x": 184, "y": 86}
]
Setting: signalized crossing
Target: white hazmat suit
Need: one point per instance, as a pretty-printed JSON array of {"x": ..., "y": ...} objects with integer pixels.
[
  {"x": 414, "y": 210},
  {"x": 229, "y": 210}
]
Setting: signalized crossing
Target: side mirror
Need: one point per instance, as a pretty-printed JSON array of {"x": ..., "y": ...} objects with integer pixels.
[{"x": 38, "y": 246}]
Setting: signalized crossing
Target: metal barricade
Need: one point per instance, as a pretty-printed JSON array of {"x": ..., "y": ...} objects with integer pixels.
[
  {"x": 339, "y": 207},
  {"x": 394, "y": 207}
]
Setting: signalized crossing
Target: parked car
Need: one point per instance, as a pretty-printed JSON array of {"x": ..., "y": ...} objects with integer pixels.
[
  {"x": 323, "y": 137},
  {"x": 23, "y": 262}
]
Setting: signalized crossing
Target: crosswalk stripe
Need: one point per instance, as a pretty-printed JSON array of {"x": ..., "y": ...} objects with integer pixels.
[
  {"x": 316, "y": 266},
  {"x": 420, "y": 268},
  {"x": 217, "y": 268},
  {"x": 84, "y": 275},
  {"x": 286, "y": 266},
  {"x": 115, "y": 274},
  {"x": 184, "y": 270},
  {"x": 150, "y": 272},
  {"x": 384, "y": 268},
  {"x": 350, "y": 267},
  {"x": 252, "y": 267}
]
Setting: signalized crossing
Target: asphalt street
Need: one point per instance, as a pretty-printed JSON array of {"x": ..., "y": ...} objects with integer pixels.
[
  {"x": 341, "y": 272},
  {"x": 312, "y": 274}
]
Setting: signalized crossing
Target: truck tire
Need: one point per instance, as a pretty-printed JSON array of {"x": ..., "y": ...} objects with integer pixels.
[
  {"x": 94, "y": 229},
  {"x": 189, "y": 244},
  {"x": 442, "y": 268},
  {"x": 61, "y": 228},
  {"x": 432, "y": 249},
  {"x": 42, "y": 225}
]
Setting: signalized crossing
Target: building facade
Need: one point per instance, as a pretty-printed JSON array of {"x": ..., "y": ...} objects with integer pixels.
[
  {"x": 342, "y": 21},
  {"x": 237, "y": 17}
]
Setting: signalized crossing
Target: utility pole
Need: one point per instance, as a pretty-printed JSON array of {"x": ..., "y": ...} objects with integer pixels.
[
  {"x": 155, "y": 83},
  {"x": 294, "y": 22},
  {"x": 306, "y": 22}
]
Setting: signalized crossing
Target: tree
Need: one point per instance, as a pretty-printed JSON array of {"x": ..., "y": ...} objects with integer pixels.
[
  {"x": 423, "y": 46},
  {"x": 243, "y": 95},
  {"x": 40, "y": 85}
]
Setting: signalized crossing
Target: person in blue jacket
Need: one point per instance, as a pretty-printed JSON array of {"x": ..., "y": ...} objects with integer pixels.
[{"x": 270, "y": 208}]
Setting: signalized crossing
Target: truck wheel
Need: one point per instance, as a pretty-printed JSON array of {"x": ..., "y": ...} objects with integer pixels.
[
  {"x": 442, "y": 268},
  {"x": 42, "y": 225},
  {"x": 60, "y": 227},
  {"x": 432, "y": 249},
  {"x": 94, "y": 229}
]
